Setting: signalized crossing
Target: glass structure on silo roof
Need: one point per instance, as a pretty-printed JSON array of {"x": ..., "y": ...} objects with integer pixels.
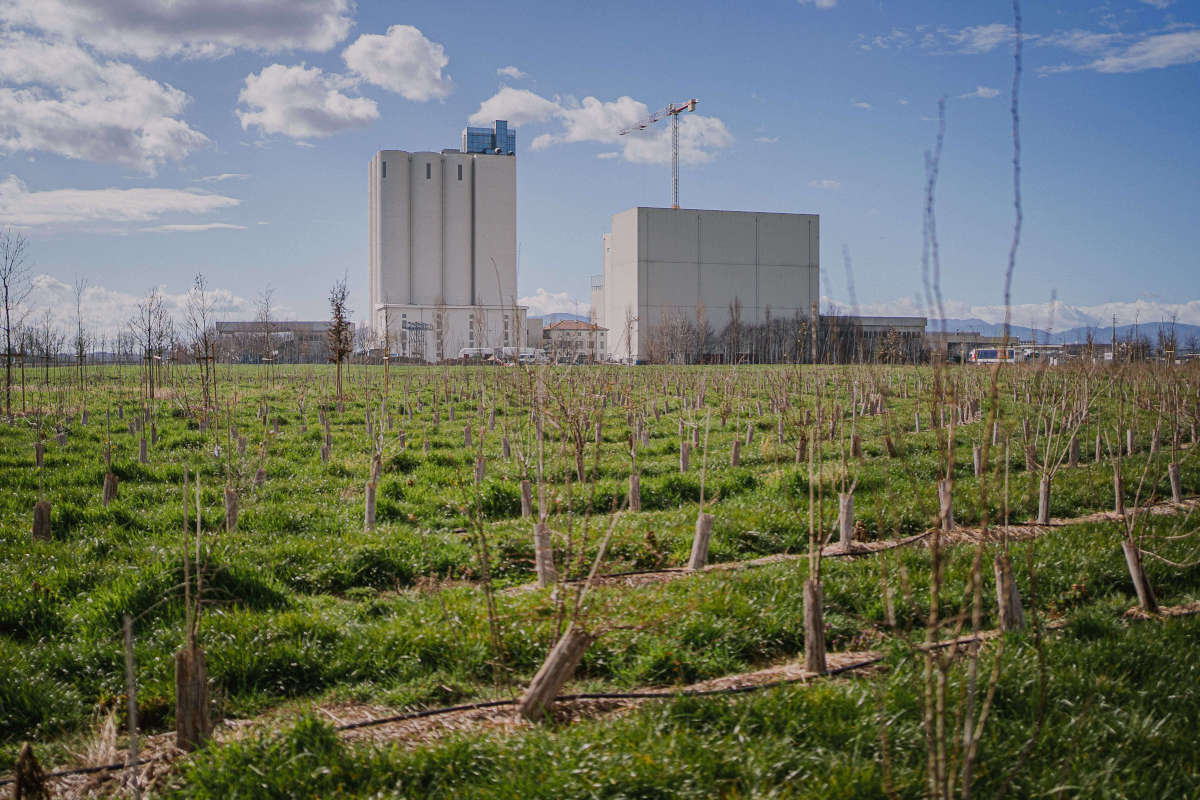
[{"x": 489, "y": 140}]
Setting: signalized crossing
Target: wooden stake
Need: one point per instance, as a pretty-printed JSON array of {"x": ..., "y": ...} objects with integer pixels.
[
  {"x": 1008, "y": 597},
  {"x": 231, "y": 509},
  {"x": 1118, "y": 493},
  {"x": 555, "y": 671},
  {"x": 369, "y": 511},
  {"x": 1043, "y": 516},
  {"x": 192, "y": 722},
  {"x": 1145, "y": 595},
  {"x": 41, "y": 521},
  {"x": 814, "y": 627},
  {"x": 110, "y": 488},
  {"x": 699, "y": 556},
  {"x": 526, "y": 498},
  {"x": 131, "y": 696},
  {"x": 846, "y": 520},
  {"x": 543, "y": 554},
  {"x": 30, "y": 778},
  {"x": 945, "y": 505}
]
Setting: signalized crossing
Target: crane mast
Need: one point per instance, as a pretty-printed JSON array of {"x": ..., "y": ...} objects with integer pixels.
[{"x": 673, "y": 111}]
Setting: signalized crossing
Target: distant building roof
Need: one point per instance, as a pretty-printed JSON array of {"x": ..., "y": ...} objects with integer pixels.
[{"x": 255, "y": 326}]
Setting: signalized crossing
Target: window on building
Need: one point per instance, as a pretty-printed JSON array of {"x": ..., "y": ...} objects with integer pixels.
[
  {"x": 428, "y": 170},
  {"x": 384, "y": 175},
  {"x": 460, "y": 172}
]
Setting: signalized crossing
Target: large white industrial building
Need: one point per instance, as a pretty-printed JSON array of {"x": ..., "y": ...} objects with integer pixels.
[
  {"x": 442, "y": 238},
  {"x": 659, "y": 262}
]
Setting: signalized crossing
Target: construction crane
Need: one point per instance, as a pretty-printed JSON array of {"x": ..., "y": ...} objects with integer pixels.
[{"x": 673, "y": 111}]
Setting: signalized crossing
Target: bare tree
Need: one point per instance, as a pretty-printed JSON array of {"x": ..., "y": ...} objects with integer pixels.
[
  {"x": 341, "y": 329},
  {"x": 1168, "y": 340},
  {"x": 150, "y": 326},
  {"x": 46, "y": 341},
  {"x": 198, "y": 327},
  {"x": 82, "y": 340},
  {"x": 733, "y": 332},
  {"x": 264, "y": 308},
  {"x": 627, "y": 334},
  {"x": 15, "y": 285},
  {"x": 265, "y": 317}
]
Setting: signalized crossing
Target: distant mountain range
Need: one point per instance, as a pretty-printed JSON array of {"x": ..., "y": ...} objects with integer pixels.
[
  {"x": 550, "y": 319},
  {"x": 1149, "y": 330},
  {"x": 1183, "y": 332}
]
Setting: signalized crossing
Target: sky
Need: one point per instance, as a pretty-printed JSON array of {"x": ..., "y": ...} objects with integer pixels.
[{"x": 143, "y": 143}]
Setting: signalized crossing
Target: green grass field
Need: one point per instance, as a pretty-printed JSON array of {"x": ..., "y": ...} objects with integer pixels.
[{"x": 303, "y": 605}]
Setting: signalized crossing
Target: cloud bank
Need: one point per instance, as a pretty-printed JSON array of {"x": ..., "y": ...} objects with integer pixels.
[
  {"x": 151, "y": 29},
  {"x": 58, "y": 98},
  {"x": 81, "y": 207},
  {"x": 542, "y": 302}
]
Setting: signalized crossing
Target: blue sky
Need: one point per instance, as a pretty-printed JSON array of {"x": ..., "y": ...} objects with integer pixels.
[{"x": 142, "y": 143}]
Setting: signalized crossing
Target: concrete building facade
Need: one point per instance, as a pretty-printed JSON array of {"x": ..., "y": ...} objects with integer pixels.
[
  {"x": 571, "y": 341},
  {"x": 659, "y": 262},
  {"x": 290, "y": 341},
  {"x": 442, "y": 251}
]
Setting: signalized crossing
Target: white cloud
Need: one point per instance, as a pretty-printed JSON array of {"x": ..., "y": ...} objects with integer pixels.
[
  {"x": 224, "y": 176},
  {"x": 302, "y": 102},
  {"x": 207, "y": 28},
  {"x": 698, "y": 137},
  {"x": 903, "y": 101},
  {"x": 861, "y": 104},
  {"x": 1111, "y": 51},
  {"x": 19, "y": 206},
  {"x": 542, "y": 302},
  {"x": 608, "y": 155},
  {"x": 402, "y": 61},
  {"x": 974, "y": 39},
  {"x": 106, "y": 311},
  {"x": 824, "y": 4},
  {"x": 518, "y": 106},
  {"x": 982, "y": 92},
  {"x": 980, "y": 38},
  {"x": 594, "y": 120},
  {"x": 197, "y": 228},
  {"x": 1082, "y": 41},
  {"x": 897, "y": 38},
  {"x": 1158, "y": 3},
  {"x": 511, "y": 72},
  {"x": 1153, "y": 52},
  {"x": 57, "y": 98},
  {"x": 767, "y": 139},
  {"x": 825, "y": 183}
]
